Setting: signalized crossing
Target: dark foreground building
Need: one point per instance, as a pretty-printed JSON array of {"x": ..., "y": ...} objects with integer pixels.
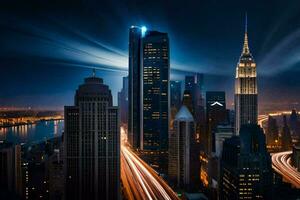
[
  {"x": 246, "y": 171},
  {"x": 92, "y": 143},
  {"x": 10, "y": 171}
]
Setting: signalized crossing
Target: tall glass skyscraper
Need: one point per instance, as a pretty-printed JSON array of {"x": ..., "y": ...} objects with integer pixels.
[
  {"x": 149, "y": 78},
  {"x": 134, "y": 87},
  {"x": 245, "y": 88},
  {"x": 92, "y": 143},
  {"x": 156, "y": 79}
]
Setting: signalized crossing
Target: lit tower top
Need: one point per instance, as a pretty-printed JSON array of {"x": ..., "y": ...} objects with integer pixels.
[
  {"x": 245, "y": 87},
  {"x": 246, "y": 55}
]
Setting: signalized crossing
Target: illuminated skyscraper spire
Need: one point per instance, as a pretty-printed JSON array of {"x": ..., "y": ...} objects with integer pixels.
[
  {"x": 245, "y": 87},
  {"x": 246, "y": 50}
]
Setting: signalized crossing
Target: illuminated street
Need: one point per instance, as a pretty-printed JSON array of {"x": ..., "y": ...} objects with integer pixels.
[
  {"x": 261, "y": 119},
  {"x": 139, "y": 180},
  {"x": 281, "y": 163}
]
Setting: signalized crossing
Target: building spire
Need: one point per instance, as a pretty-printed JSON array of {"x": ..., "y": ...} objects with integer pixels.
[
  {"x": 246, "y": 45},
  {"x": 94, "y": 72}
]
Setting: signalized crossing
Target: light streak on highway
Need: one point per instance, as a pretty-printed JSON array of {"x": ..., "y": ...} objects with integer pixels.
[
  {"x": 261, "y": 119},
  {"x": 281, "y": 163},
  {"x": 140, "y": 181}
]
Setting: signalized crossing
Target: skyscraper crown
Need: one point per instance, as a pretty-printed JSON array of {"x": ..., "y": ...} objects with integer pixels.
[{"x": 246, "y": 50}]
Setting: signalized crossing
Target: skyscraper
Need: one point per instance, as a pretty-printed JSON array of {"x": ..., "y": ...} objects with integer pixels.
[
  {"x": 135, "y": 87},
  {"x": 194, "y": 84},
  {"x": 294, "y": 123},
  {"x": 245, "y": 100},
  {"x": 123, "y": 102},
  {"x": 187, "y": 100},
  {"x": 155, "y": 95},
  {"x": 272, "y": 132},
  {"x": 246, "y": 171},
  {"x": 10, "y": 170},
  {"x": 92, "y": 143},
  {"x": 175, "y": 97},
  {"x": 286, "y": 139},
  {"x": 216, "y": 107},
  {"x": 184, "y": 162}
]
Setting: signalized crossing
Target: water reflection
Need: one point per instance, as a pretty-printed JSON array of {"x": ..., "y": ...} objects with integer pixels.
[{"x": 32, "y": 132}]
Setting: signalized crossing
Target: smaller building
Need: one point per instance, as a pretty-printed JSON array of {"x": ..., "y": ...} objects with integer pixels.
[
  {"x": 286, "y": 138},
  {"x": 10, "y": 169},
  {"x": 222, "y": 133},
  {"x": 183, "y": 161},
  {"x": 245, "y": 168},
  {"x": 296, "y": 157}
]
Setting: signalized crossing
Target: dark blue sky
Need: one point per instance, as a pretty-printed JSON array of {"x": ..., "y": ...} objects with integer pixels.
[{"x": 48, "y": 47}]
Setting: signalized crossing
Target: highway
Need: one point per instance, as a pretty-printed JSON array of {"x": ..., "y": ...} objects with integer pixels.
[
  {"x": 281, "y": 163},
  {"x": 140, "y": 181}
]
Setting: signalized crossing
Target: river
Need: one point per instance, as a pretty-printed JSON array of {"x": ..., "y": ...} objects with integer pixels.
[{"x": 32, "y": 133}]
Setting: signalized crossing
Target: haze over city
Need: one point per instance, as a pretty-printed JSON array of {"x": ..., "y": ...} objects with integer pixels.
[{"x": 48, "y": 47}]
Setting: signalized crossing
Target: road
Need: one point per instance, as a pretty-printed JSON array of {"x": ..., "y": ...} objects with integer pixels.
[
  {"x": 281, "y": 163},
  {"x": 140, "y": 181}
]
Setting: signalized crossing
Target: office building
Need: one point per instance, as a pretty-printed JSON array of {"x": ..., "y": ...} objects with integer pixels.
[
  {"x": 123, "y": 102},
  {"x": 216, "y": 114},
  {"x": 155, "y": 99},
  {"x": 246, "y": 171},
  {"x": 10, "y": 170},
  {"x": 272, "y": 133},
  {"x": 135, "y": 87},
  {"x": 296, "y": 157},
  {"x": 175, "y": 95},
  {"x": 223, "y": 132},
  {"x": 194, "y": 84},
  {"x": 187, "y": 100},
  {"x": 286, "y": 139},
  {"x": 216, "y": 108},
  {"x": 175, "y": 99},
  {"x": 294, "y": 123},
  {"x": 92, "y": 143},
  {"x": 245, "y": 100},
  {"x": 184, "y": 162}
]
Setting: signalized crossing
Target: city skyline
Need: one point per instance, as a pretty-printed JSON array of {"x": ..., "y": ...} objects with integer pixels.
[
  {"x": 157, "y": 103},
  {"x": 65, "y": 51}
]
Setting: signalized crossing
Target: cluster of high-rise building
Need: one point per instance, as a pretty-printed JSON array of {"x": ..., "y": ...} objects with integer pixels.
[{"x": 189, "y": 137}]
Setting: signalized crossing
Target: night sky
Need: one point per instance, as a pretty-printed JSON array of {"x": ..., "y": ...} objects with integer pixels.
[{"x": 47, "y": 47}]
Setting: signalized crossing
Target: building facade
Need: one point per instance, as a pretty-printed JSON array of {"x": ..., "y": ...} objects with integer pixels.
[
  {"x": 155, "y": 99},
  {"x": 246, "y": 171},
  {"x": 245, "y": 101},
  {"x": 134, "y": 87},
  {"x": 156, "y": 80},
  {"x": 272, "y": 133},
  {"x": 194, "y": 84},
  {"x": 175, "y": 99},
  {"x": 10, "y": 170},
  {"x": 123, "y": 102},
  {"x": 183, "y": 160},
  {"x": 92, "y": 143},
  {"x": 286, "y": 138}
]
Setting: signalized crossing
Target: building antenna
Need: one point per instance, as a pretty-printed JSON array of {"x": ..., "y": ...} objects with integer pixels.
[
  {"x": 246, "y": 23},
  {"x": 94, "y": 72}
]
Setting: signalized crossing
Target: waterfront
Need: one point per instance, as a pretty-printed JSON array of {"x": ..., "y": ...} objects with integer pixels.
[{"x": 30, "y": 133}]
